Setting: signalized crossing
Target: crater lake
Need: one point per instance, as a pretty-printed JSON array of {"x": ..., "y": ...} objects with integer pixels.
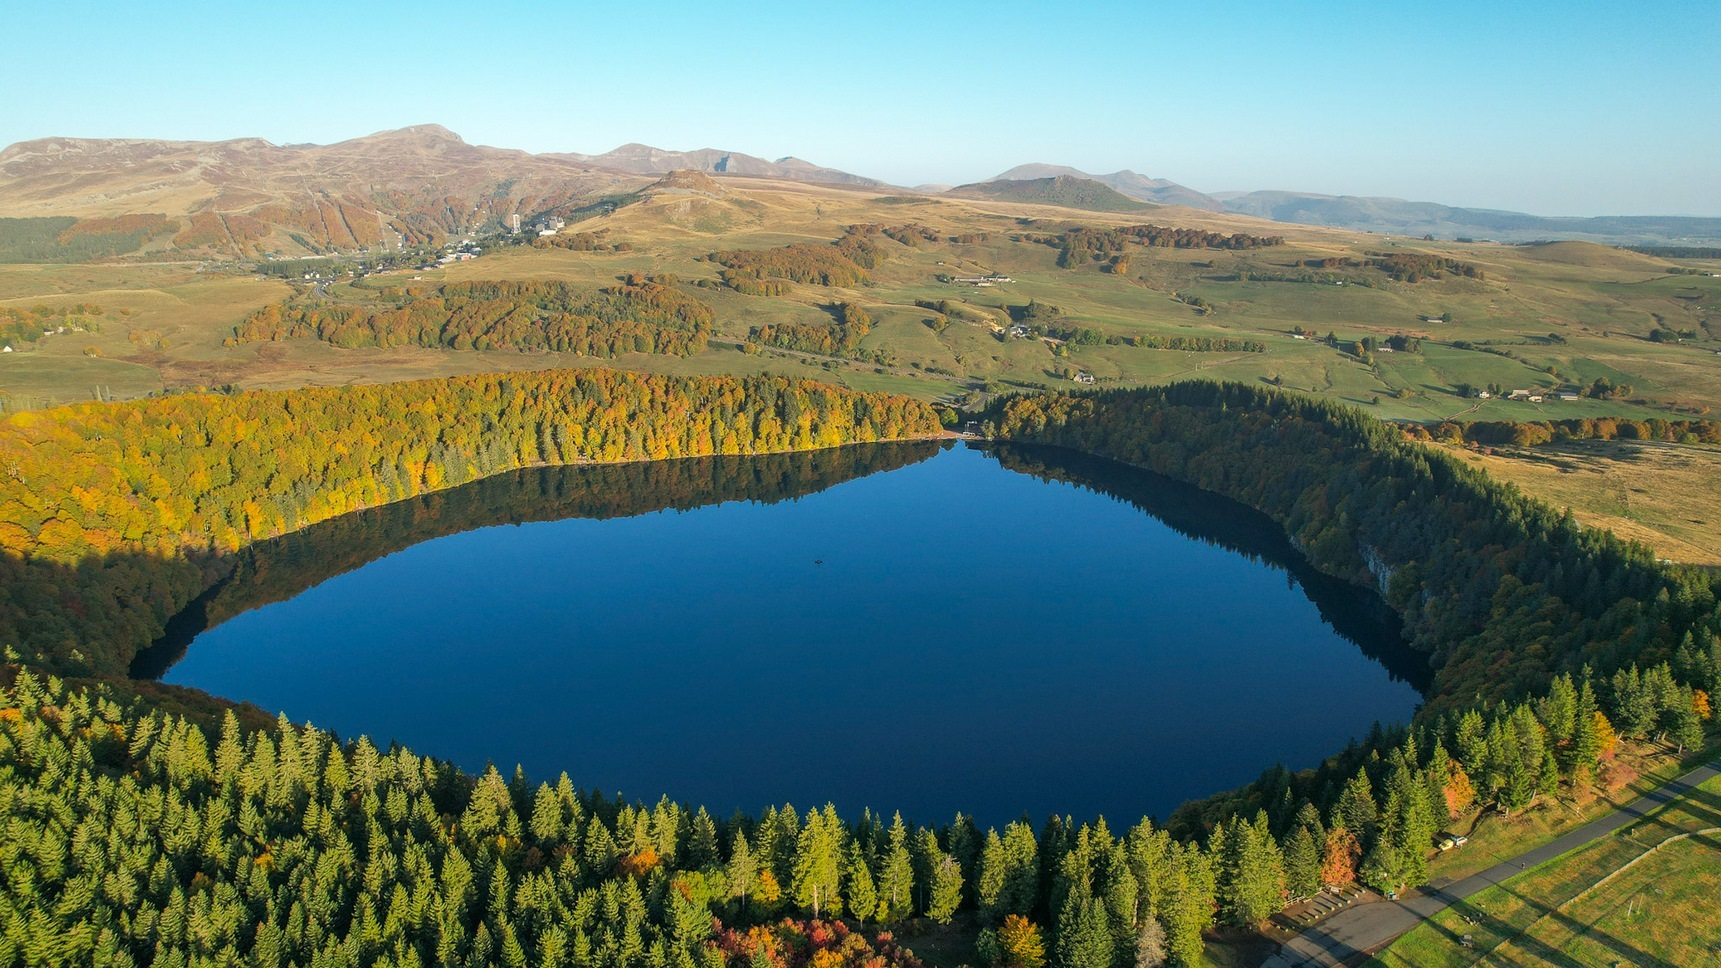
[{"x": 923, "y": 627}]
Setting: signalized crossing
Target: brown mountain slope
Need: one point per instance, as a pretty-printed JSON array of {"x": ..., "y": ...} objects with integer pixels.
[
  {"x": 249, "y": 196},
  {"x": 646, "y": 160},
  {"x": 414, "y": 185}
]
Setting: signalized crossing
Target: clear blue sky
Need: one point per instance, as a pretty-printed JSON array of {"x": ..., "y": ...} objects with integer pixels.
[{"x": 1568, "y": 108}]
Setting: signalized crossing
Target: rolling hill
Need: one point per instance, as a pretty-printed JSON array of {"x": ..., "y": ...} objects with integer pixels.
[{"x": 1067, "y": 191}]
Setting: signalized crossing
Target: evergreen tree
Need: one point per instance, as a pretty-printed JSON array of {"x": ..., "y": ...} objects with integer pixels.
[
  {"x": 742, "y": 871},
  {"x": 989, "y": 884},
  {"x": 858, "y": 888},
  {"x": 896, "y": 876},
  {"x": 1021, "y": 890},
  {"x": 1302, "y": 864},
  {"x": 1083, "y": 939},
  {"x": 702, "y": 841},
  {"x": 818, "y": 866},
  {"x": 946, "y": 889}
]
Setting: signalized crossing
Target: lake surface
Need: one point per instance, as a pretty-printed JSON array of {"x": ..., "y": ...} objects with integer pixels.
[{"x": 916, "y": 627}]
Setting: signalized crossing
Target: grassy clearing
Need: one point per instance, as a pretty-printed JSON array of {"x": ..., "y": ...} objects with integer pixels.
[
  {"x": 1662, "y": 911},
  {"x": 1667, "y": 496}
]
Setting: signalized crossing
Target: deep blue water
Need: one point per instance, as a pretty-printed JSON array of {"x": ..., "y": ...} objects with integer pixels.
[{"x": 948, "y": 635}]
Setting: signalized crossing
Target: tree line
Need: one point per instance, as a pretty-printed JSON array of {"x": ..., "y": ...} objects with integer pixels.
[
  {"x": 136, "y": 837},
  {"x": 638, "y": 316},
  {"x": 1084, "y": 245},
  {"x": 1500, "y": 591},
  {"x": 142, "y": 838},
  {"x": 1530, "y": 433},
  {"x": 67, "y": 239},
  {"x": 844, "y": 263},
  {"x": 113, "y": 517},
  {"x": 279, "y": 568},
  {"x": 26, "y": 324}
]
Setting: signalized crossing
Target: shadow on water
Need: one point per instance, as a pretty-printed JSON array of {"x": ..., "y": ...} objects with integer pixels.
[
  {"x": 280, "y": 568},
  {"x": 1356, "y": 613}
]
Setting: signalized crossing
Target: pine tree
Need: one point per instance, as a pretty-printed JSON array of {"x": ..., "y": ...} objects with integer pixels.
[
  {"x": 858, "y": 888},
  {"x": 1083, "y": 940},
  {"x": 1188, "y": 903},
  {"x": 896, "y": 876},
  {"x": 1250, "y": 871},
  {"x": 742, "y": 870},
  {"x": 702, "y": 842},
  {"x": 1302, "y": 864},
  {"x": 946, "y": 889},
  {"x": 989, "y": 885},
  {"x": 1356, "y": 810},
  {"x": 817, "y": 869},
  {"x": 1021, "y": 890}
]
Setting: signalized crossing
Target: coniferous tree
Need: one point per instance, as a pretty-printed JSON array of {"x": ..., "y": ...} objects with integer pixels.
[
  {"x": 818, "y": 863},
  {"x": 989, "y": 884},
  {"x": 946, "y": 889},
  {"x": 896, "y": 876},
  {"x": 859, "y": 891}
]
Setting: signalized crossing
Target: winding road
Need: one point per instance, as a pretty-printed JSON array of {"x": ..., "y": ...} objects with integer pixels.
[{"x": 1366, "y": 927}]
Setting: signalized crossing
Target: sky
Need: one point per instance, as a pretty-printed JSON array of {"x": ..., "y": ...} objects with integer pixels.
[{"x": 1570, "y": 108}]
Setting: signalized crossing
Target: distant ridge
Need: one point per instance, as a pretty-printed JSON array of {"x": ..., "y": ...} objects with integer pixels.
[
  {"x": 1068, "y": 191},
  {"x": 1392, "y": 215},
  {"x": 1139, "y": 187},
  {"x": 418, "y": 184},
  {"x": 646, "y": 160}
]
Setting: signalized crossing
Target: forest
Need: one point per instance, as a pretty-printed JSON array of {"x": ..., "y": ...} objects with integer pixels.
[
  {"x": 1084, "y": 245},
  {"x": 842, "y": 338},
  {"x": 1500, "y": 591},
  {"x": 637, "y": 316},
  {"x": 1532, "y": 432},
  {"x": 843, "y": 263},
  {"x": 113, "y": 518},
  {"x": 137, "y": 837},
  {"x": 279, "y": 568},
  {"x": 141, "y": 835},
  {"x": 67, "y": 239}
]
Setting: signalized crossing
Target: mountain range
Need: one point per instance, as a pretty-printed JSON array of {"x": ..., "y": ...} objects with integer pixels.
[
  {"x": 1388, "y": 215},
  {"x": 421, "y": 183}
]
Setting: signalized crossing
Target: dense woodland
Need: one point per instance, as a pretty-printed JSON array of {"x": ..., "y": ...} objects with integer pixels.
[
  {"x": 638, "y": 316},
  {"x": 1085, "y": 245},
  {"x": 138, "y": 837},
  {"x": 110, "y": 516},
  {"x": 842, "y": 338},
  {"x": 1532, "y": 432},
  {"x": 276, "y": 569},
  {"x": 67, "y": 239},
  {"x": 1501, "y": 592},
  {"x": 846, "y": 262}
]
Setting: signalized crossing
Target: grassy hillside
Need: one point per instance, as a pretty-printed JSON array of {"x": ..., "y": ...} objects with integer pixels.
[
  {"x": 1064, "y": 190},
  {"x": 1535, "y": 318}
]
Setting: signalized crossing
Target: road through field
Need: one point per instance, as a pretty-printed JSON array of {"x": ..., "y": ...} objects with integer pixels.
[{"x": 1368, "y": 926}]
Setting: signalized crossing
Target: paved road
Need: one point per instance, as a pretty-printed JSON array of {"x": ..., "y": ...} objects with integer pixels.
[{"x": 1365, "y": 927}]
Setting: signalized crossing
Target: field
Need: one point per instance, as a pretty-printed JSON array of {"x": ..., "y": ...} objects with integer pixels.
[
  {"x": 1667, "y": 496},
  {"x": 1659, "y": 911},
  {"x": 1579, "y": 310}
]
